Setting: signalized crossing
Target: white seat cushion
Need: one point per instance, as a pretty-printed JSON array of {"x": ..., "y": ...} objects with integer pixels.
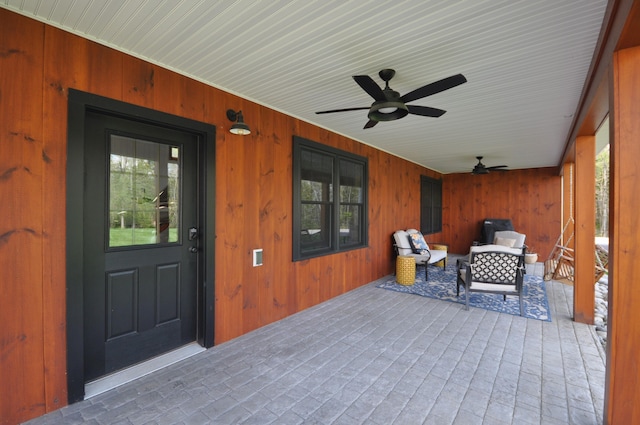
[
  {"x": 505, "y": 242},
  {"x": 498, "y": 248},
  {"x": 437, "y": 255},
  {"x": 496, "y": 287},
  {"x": 510, "y": 234},
  {"x": 402, "y": 242}
]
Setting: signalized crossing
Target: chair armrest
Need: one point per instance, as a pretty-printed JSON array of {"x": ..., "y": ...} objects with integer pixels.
[
  {"x": 420, "y": 259},
  {"x": 468, "y": 277},
  {"x": 438, "y": 253},
  {"x": 437, "y": 256},
  {"x": 438, "y": 246}
]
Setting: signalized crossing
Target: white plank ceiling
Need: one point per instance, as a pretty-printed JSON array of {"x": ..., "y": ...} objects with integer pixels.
[{"x": 525, "y": 61}]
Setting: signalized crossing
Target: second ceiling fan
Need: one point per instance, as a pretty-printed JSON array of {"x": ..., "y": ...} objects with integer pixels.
[
  {"x": 388, "y": 105},
  {"x": 480, "y": 168}
]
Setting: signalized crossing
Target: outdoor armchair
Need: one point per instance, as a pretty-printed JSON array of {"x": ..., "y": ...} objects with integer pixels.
[
  {"x": 423, "y": 255},
  {"x": 494, "y": 269}
]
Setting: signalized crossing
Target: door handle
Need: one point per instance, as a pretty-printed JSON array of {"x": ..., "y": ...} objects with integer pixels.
[{"x": 193, "y": 249}]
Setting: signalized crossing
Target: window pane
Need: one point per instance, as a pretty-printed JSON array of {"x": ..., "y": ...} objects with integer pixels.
[
  {"x": 316, "y": 166},
  {"x": 144, "y": 194},
  {"x": 313, "y": 191},
  {"x": 350, "y": 232},
  {"x": 351, "y": 178},
  {"x": 316, "y": 224}
]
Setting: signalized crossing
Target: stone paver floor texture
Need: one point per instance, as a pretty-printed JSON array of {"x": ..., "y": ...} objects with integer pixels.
[{"x": 373, "y": 356}]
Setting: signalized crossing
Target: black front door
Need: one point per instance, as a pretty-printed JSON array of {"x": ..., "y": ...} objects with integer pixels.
[{"x": 140, "y": 242}]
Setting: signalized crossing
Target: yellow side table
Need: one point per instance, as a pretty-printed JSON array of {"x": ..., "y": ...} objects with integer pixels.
[
  {"x": 440, "y": 247},
  {"x": 405, "y": 270}
]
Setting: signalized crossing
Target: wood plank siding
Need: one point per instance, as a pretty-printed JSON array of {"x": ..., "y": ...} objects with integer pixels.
[
  {"x": 531, "y": 198},
  {"x": 39, "y": 64}
]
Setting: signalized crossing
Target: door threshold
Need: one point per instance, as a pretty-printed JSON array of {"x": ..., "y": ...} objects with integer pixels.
[{"x": 113, "y": 380}]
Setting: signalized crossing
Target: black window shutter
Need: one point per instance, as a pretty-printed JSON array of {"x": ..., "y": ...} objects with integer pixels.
[{"x": 430, "y": 205}]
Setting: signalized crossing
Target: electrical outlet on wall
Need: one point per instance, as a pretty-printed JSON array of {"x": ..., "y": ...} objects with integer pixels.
[{"x": 257, "y": 257}]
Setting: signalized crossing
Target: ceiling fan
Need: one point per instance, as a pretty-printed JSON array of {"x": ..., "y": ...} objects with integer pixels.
[
  {"x": 480, "y": 168},
  {"x": 388, "y": 105}
]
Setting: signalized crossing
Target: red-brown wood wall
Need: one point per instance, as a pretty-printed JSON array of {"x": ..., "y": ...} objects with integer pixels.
[
  {"x": 531, "y": 198},
  {"x": 39, "y": 63}
]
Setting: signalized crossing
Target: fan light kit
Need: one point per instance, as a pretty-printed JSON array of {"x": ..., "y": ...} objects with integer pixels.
[{"x": 388, "y": 105}]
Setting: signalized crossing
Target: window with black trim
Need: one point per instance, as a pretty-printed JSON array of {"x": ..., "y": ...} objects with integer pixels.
[
  {"x": 430, "y": 205},
  {"x": 329, "y": 200}
]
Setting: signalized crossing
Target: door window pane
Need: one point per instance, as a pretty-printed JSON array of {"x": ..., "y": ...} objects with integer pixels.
[{"x": 144, "y": 196}]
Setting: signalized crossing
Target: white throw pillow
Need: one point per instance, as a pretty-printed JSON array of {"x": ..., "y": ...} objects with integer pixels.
[{"x": 505, "y": 242}]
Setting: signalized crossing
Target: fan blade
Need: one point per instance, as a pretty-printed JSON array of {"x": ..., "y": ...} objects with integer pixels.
[
  {"x": 425, "y": 111},
  {"x": 342, "y": 110},
  {"x": 370, "y": 124},
  {"x": 370, "y": 87},
  {"x": 433, "y": 88},
  {"x": 497, "y": 167}
]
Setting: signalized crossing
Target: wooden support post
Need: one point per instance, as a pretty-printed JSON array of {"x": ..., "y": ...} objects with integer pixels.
[
  {"x": 622, "y": 398},
  {"x": 585, "y": 233}
]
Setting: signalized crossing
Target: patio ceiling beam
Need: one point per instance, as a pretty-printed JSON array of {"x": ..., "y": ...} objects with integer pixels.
[{"x": 593, "y": 107}]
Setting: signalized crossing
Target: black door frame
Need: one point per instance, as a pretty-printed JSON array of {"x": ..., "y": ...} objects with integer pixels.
[{"x": 79, "y": 103}]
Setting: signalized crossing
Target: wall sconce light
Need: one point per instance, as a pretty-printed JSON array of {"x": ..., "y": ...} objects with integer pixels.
[{"x": 239, "y": 126}]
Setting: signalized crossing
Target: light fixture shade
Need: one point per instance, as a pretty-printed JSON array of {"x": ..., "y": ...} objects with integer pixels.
[
  {"x": 239, "y": 127},
  {"x": 376, "y": 113}
]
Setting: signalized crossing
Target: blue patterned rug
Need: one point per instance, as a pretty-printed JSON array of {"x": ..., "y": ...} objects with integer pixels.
[{"x": 442, "y": 286}]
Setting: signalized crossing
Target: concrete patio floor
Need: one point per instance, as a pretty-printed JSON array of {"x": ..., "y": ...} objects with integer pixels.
[{"x": 373, "y": 356}]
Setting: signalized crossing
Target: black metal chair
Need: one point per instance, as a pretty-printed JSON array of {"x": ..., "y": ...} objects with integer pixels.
[{"x": 492, "y": 269}]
